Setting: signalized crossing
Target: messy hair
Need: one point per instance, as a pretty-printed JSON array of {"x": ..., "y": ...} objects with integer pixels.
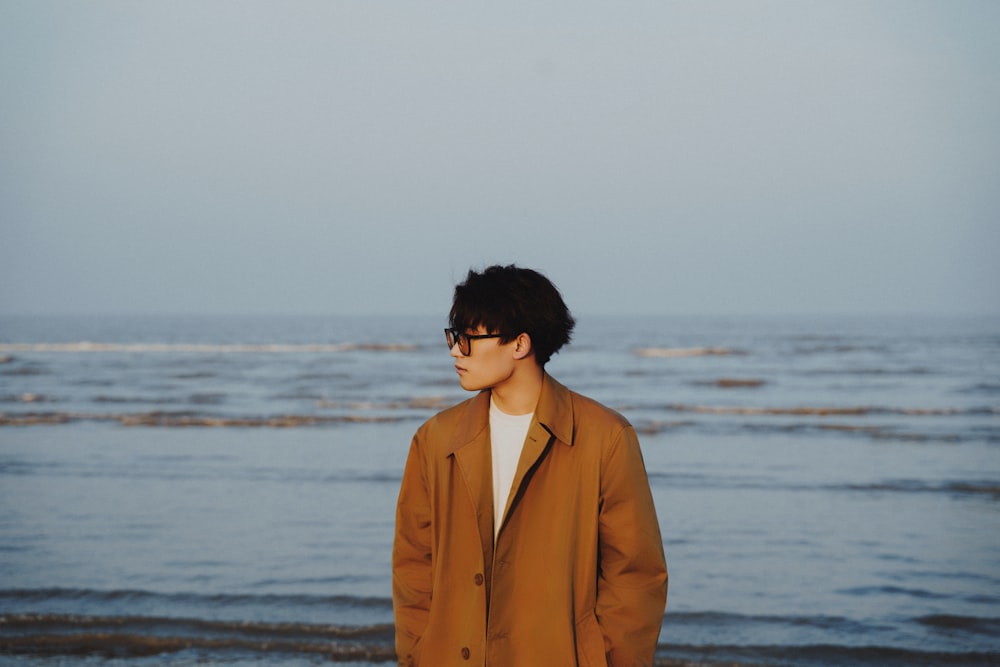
[{"x": 510, "y": 300}]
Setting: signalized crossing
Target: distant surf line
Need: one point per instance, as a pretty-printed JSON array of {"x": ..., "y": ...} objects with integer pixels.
[
  {"x": 206, "y": 348},
  {"x": 166, "y": 419}
]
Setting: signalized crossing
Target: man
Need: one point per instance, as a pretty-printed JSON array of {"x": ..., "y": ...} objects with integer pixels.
[{"x": 525, "y": 529}]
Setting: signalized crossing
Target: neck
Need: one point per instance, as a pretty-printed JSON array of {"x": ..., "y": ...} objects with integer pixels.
[{"x": 519, "y": 394}]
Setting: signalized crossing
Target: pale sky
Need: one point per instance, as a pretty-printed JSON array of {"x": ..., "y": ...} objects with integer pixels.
[{"x": 358, "y": 157}]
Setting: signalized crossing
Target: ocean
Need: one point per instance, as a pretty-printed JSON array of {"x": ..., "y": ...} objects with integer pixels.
[{"x": 221, "y": 490}]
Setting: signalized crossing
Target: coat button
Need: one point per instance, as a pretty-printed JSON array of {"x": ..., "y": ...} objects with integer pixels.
[
  {"x": 479, "y": 579},
  {"x": 466, "y": 653}
]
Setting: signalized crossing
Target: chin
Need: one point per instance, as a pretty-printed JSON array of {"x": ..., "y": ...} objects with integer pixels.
[{"x": 469, "y": 385}]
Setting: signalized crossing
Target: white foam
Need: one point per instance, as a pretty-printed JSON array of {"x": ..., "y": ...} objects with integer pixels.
[
  {"x": 199, "y": 348},
  {"x": 682, "y": 351}
]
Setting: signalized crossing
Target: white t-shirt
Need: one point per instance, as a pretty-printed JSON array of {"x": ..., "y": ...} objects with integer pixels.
[{"x": 507, "y": 434}]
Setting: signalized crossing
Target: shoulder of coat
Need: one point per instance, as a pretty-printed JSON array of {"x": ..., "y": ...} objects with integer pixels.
[
  {"x": 589, "y": 412},
  {"x": 442, "y": 426}
]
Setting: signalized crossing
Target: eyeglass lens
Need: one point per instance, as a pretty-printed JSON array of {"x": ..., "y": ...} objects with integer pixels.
[{"x": 452, "y": 337}]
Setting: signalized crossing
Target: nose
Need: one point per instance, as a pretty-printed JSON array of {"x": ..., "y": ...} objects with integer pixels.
[{"x": 454, "y": 351}]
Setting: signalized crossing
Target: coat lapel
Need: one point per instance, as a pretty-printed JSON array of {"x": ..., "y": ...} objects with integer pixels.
[
  {"x": 535, "y": 445},
  {"x": 471, "y": 449},
  {"x": 553, "y": 422}
]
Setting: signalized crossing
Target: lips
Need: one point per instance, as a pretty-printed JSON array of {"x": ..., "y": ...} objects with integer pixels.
[{"x": 460, "y": 369}]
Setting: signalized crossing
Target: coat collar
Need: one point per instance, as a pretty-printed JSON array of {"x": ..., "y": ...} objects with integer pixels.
[
  {"x": 553, "y": 421},
  {"x": 554, "y": 413}
]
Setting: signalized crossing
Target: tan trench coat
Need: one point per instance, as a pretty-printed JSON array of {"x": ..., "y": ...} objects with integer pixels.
[{"x": 577, "y": 574}]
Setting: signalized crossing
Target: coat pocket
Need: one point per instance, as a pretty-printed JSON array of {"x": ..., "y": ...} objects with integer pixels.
[{"x": 590, "y": 642}]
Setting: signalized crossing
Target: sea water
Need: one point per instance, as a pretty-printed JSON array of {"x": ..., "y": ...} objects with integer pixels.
[{"x": 221, "y": 490}]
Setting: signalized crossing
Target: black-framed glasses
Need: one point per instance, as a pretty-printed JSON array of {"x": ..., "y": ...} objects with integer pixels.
[{"x": 464, "y": 340}]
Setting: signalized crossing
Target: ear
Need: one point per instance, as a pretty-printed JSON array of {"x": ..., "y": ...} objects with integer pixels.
[{"x": 522, "y": 346}]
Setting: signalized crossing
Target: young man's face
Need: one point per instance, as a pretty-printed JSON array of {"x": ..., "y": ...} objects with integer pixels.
[{"x": 489, "y": 363}]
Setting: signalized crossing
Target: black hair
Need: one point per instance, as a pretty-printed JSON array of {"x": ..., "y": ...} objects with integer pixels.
[{"x": 510, "y": 300}]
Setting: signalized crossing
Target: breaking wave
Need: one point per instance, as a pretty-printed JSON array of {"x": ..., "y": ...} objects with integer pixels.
[
  {"x": 136, "y": 636},
  {"x": 177, "y": 420},
  {"x": 829, "y": 410},
  {"x": 198, "y": 348},
  {"x": 130, "y": 636},
  {"x": 685, "y": 351}
]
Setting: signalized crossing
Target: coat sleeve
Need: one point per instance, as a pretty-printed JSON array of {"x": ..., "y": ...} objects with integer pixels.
[
  {"x": 632, "y": 576},
  {"x": 411, "y": 556}
]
